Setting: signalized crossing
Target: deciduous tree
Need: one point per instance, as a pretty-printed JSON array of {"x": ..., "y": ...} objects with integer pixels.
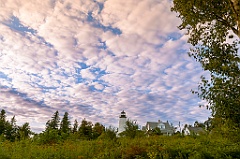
[
  {"x": 85, "y": 129},
  {"x": 97, "y": 130},
  {"x": 109, "y": 133},
  {"x": 131, "y": 129},
  {"x": 24, "y": 131},
  {"x": 213, "y": 27}
]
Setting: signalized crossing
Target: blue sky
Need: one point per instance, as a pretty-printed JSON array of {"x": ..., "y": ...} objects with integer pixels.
[{"x": 95, "y": 58}]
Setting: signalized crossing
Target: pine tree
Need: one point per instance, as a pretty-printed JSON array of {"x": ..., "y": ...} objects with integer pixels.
[
  {"x": 2, "y": 121},
  {"x": 75, "y": 126},
  {"x": 54, "y": 122},
  {"x": 65, "y": 124},
  {"x": 11, "y": 129}
]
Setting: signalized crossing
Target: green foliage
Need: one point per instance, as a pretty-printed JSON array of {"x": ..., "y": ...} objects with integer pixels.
[
  {"x": 214, "y": 30},
  {"x": 131, "y": 129},
  {"x": 50, "y": 136},
  {"x": 54, "y": 143},
  {"x": 24, "y": 131},
  {"x": 109, "y": 133},
  {"x": 198, "y": 16},
  {"x": 2, "y": 121},
  {"x": 85, "y": 129},
  {"x": 11, "y": 129},
  {"x": 155, "y": 131},
  {"x": 54, "y": 122},
  {"x": 153, "y": 147},
  {"x": 97, "y": 130},
  {"x": 75, "y": 126},
  {"x": 65, "y": 124}
]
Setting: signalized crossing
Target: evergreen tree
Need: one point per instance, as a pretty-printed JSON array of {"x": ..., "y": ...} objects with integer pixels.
[
  {"x": 54, "y": 122},
  {"x": 11, "y": 129},
  {"x": 2, "y": 121},
  {"x": 65, "y": 124},
  {"x": 75, "y": 126},
  {"x": 51, "y": 134},
  {"x": 3, "y": 115}
]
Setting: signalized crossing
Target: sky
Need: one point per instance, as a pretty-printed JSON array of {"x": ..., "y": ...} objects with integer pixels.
[{"x": 95, "y": 58}]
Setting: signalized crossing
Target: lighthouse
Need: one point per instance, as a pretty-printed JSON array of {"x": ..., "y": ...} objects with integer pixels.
[{"x": 122, "y": 122}]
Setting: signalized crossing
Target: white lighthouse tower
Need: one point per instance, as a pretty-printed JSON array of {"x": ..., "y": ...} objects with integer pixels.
[{"x": 122, "y": 122}]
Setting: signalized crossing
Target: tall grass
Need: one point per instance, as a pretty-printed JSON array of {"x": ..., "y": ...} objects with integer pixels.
[{"x": 155, "y": 147}]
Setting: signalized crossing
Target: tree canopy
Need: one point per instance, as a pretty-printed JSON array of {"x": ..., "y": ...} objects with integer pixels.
[
  {"x": 85, "y": 129},
  {"x": 213, "y": 27}
]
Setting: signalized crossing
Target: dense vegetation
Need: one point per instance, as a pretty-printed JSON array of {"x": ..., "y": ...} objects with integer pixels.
[
  {"x": 198, "y": 147},
  {"x": 61, "y": 140}
]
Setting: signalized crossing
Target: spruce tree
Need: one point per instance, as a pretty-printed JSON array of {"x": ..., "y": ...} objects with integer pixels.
[
  {"x": 75, "y": 126},
  {"x": 2, "y": 121},
  {"x": 54, "y": 122},
  {"x": 11, "y": 129},
  {"x": 65, "y": 124}
]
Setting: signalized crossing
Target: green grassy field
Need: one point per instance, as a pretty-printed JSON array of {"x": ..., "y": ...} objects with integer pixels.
[{"x": 154, "y": 147}]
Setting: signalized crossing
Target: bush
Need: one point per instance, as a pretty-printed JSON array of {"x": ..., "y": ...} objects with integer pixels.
[{"x": 49, "y": 137}]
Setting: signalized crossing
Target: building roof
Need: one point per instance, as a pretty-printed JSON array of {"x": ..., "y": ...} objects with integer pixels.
[
  {"x": 151, "y": 125},
  {"x": 196, "y": 129},
  {"x": 123, "y": 114}
]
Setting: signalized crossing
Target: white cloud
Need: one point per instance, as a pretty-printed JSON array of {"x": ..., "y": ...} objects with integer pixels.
[{"x": 94, "y": 62}]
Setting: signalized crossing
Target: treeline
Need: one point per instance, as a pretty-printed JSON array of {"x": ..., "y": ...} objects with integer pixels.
[
  {"x": 56, "y": 130},
  {"x": 9, "y": 130},
  {"x": 61, "y": 139}
]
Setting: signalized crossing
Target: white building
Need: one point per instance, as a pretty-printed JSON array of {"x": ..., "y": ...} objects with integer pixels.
[
  {"x": 193, "y": 130},
  {"x": 165, "y": 127},
  {"x": 122, "y": 122}
]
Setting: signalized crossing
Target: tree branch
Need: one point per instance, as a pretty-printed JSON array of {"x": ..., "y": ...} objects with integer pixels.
[
  {"x": 226, "y": 23},
  {"x": 236, "y": 9}
]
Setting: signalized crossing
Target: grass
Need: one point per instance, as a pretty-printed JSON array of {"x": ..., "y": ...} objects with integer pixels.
[{"x": 155, "y": 147}]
